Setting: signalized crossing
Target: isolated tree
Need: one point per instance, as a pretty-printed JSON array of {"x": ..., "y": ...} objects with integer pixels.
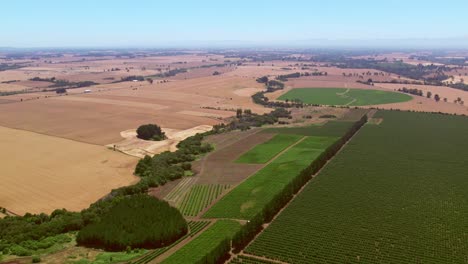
[
  {"x": 429, "y": 95},
  {"x": 263, "y": 79},
  {"x": 61, "y": 90},
  {"x": 239, "y": 113},
  {"x": 149, "y": 80},
  {"x": 437, "y": 98},
  {"x": 151, "y": 132}
]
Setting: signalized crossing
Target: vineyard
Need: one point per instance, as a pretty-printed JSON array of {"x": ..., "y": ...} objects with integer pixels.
[
  {"x": 264, "y": 152},
  {"x": 395, "y": 194},
  {"x": 178, "y": 193},
  {"x": 194, "y": 226},
  {"x": 207, "y": 241},
  {"x": 243, "y": 259},
  {"x": 200, "y": 197},
  {"x": 249, "y": 198}
]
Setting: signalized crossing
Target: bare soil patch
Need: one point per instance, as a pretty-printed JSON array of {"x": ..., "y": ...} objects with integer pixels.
[
  {"x": 219, "y": 168},
  {"x": 136, "y": 147}
]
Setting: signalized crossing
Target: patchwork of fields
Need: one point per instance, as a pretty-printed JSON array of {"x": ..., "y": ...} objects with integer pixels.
[
  {"x": 264, "y": 152},
  {"x": 395, "y": 194},
  {"x": 343, "y": 96},
  {"x": 249, "y": 198}
]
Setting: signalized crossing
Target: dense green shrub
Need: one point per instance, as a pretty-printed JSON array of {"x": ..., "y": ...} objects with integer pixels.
[
  {"x": 36, "y": 259},
  {"x": 167, "y": 166},
  {"x": 138, "y": 221},
  {"x": 150, "y": 132}
]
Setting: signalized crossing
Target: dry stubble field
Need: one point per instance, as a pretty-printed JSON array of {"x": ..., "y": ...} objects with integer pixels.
[{"x": 42, "y": 173}]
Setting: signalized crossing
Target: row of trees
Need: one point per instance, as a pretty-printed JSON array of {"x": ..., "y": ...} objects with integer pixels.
[
  {"x": 167, "y": 166},
  {"x": 58, "y": 83},
  {"x": 245, "y": 119}
]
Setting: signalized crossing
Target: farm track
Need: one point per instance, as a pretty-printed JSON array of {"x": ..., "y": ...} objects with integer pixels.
[{"x": 261, "y": 258}]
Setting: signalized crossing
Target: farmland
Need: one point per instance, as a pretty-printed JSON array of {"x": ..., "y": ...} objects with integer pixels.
[
  {"x": 395, "y": 194},
  {"x": 42, "y": 173},
  {"x": 200, "y": 197},
  {"x": 196, "y": 249},
  {"x": 266, "y": 151},
  {"x": 249, "y": 198},
  {"x": 329, "y": 129},
  {"x": 342, "y": 96}
]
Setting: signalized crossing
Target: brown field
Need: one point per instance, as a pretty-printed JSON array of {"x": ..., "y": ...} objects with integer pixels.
[
  {"x": 100, "y": 116},
  {"x": 42, "y": 173},
  {"x": 219, "y": 168}
]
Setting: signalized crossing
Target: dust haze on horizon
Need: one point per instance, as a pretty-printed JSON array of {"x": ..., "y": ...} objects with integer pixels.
[{"x": 244, "y": 24}]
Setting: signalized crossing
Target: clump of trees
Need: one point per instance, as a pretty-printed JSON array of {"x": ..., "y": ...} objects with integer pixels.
[
  {"x": 411, "y": 91},
  {"x": 138, "y": 221},
  {"x": 61, "y": 90},
  {"x": 150, "y": 132},
  {"x": 57, "y": 83},
  {"x": 246, "y": 119},
  {"x": 132, "y": 78},
  {"x": 263, "y": 79}
]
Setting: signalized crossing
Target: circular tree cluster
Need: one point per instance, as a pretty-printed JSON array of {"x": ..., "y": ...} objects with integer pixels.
[
  {"x": 151, "y": 132},
  {"x": 138, "y": 221}
]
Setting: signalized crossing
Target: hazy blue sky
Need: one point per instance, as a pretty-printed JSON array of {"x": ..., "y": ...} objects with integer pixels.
[{"x": 146, "y": 23}]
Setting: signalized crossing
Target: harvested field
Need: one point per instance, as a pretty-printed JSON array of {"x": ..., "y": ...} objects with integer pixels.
[
  {"x": 42, "y": 173},
  {"x": 100, "y": 116},
  {"x": 444, "y": 92}
]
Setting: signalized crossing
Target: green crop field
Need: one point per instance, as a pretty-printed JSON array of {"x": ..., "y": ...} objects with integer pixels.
[
  {"x": 200, "y": 197},
  {"x": 343, "y": 96},
  {"x": 264, "y": 152},
  {"x": 193, "y": 251},
  {"x": 329, "y": 129},
  {"x": 194, "y": 226},
  {"x": 249, "y": 198},
  {"x": 397, "y": 193}
]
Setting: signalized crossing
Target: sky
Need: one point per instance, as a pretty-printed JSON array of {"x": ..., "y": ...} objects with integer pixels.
[{"x": 148, "y": 23}]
